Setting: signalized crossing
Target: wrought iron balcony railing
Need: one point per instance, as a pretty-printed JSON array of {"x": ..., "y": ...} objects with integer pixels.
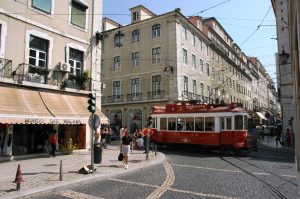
[
  {"x": 159, "y": 94},
  {"x": 5, "y": 68},
  {"x": 134, "y": 97},
  {"x": 27, "y": 72},
  {"x": 197, "y": 97}
]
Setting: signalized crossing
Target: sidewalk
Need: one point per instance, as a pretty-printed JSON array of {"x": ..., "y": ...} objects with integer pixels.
[
  {"x": 271, "y": 142},
  {"x": 42, "y": 174}
]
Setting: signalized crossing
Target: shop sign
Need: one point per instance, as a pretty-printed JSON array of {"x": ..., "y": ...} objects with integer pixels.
[
  {"x": 72, "y": 121},
  {"x": 34, "y": 121}
]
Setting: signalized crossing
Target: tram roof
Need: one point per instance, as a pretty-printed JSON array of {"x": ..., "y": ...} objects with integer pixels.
[{"x": 197, "y": 108}]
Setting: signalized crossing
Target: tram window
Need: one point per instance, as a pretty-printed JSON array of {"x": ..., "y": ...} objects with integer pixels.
[
  {"x": 238, "y": 120},
  {"x": 199, "y": 124},
  {"x": 154, "y": 123},
  {"x": 245, "y": 122},
  {"x": 163, "y": 123},
  {"x": 222, "y": 123},
  {"x": 228, "y": 123},
  {"x": 190, "y": 124},
  {"x": 171, "y": 124},
  {"x": 180, "y": 124},
  {"x": 209, "y": 124}
]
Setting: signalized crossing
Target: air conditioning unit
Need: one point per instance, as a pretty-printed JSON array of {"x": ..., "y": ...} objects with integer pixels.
[{"x": 64, "y": 67}]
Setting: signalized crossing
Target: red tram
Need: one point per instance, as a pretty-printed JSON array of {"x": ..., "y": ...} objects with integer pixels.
[{"x": 212, "y": 126}]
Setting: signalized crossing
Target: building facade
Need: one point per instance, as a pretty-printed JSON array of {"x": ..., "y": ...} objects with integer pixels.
[
  {"x": 168, "y": 58},
  {"x": 49, "y": 62}
]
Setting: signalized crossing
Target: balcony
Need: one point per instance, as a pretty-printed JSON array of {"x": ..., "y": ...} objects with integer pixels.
[
  {"x": 113, "y": 99},
  {"x": 193, "y": 96},
  {"x": 5, "y": 68},
  {"x": 30, "y": 73},
  {"x": 159, "y": 94},
  {"x": 134, "y": 97}
]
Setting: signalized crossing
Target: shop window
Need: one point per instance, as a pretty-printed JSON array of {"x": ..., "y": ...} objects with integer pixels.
[
  {"x": 135, "y": 119},
  {"x": 115, "y": 119}
]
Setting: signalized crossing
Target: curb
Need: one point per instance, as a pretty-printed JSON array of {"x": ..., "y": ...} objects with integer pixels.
[
  {"x": 285, "y": 149},
  {"x": 87, "y": 178}
]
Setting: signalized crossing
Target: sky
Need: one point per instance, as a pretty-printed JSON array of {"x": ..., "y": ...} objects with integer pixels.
[{"x": 250, "y": 23}]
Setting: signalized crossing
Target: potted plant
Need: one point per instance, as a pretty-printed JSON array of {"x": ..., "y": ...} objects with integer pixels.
[{"x": 83, "y": 80}]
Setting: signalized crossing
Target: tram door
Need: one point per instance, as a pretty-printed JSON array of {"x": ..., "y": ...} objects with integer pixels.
[{"x": 227, "y": 134}]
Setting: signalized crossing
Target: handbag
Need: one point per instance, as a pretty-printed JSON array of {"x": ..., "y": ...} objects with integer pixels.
[{"x": 121, "y": 156}]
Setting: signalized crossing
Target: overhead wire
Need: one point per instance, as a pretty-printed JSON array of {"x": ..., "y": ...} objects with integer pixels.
[{"x": 257, "y": 27}]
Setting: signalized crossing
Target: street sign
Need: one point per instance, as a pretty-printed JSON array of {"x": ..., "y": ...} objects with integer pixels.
[{"x": 96, "y": 121}]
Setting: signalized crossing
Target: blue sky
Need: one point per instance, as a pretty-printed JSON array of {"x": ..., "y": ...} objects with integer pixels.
[{"x": 240, "y": 18}]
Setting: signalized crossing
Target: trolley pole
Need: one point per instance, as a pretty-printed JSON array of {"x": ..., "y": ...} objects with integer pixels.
[
  {"x": 147, "y": 144},
  {"x": 92, "y": 143}
]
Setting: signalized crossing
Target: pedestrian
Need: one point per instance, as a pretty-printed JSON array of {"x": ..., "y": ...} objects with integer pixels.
[
  {"x": 278, "y": 136},
  {"x": 104, "y": 132},
  {"x": 145, "y": 138},
  {"x": 53, "y": 142},
  {"x": 125, "y": 147},
  {"x": 288, "y": 136}
]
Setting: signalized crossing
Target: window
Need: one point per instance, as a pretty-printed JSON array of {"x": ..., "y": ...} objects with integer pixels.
[
  {"x": 209, "y": 124},
  {"x": 238, "y": 121},
  {"x": 194, "y": 61},
  {"x": 76, "y": 62},
  {"x": 184, "y": 33},
  {"x": 208, "y": 90},
  {"x": 38, "y": 51},
  {"x": 156, "y": 84},
  {"x": 201, "y": 89},
  {"x": 201, "y": 66},
  {"x": 135, "y": 59},
  {"x": 207, "y": 69},
  {"x": 213, "y": 73},
  {"x": 245, "y": 122},
  {"x": 185, "y": 59},
  {"x": 135, "y": 36},
  {"x": 135, "y": 87},
  {"x": 78, "y": 14},
  {"x": 199, "y": 124},
  {"x": 156, "y": 53},
  {"x": 194, "y": 86},
  {"x": 135, "y": 16},
  {"x": 186, "y": 84},
  {"x": 155, "y": 30},
  {"x": 117, "y": 63},
  {"x": 190, "y": 124},
  {"x": 193, "y": 40},
  {"x": 225, "y": 123},
  {"x": 43, "y": 5},
  {"x": 171, "y": 124},
  {"x": 163, "y": 123},
  {"x": 181, "y": 124},
  {"x": 116, "y": 90}
]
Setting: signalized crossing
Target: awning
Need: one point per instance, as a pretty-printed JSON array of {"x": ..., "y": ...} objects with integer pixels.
[
  {"x": 69, "y": 108},
  {"x": 261, "y": 115},
  {"x": 20, "y": 105}
]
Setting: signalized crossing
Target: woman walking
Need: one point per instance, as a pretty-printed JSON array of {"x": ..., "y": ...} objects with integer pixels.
[{"x": 125, "y": 147}]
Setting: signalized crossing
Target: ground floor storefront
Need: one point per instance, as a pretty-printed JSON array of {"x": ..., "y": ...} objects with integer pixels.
[{"x": 29, "y": 115}]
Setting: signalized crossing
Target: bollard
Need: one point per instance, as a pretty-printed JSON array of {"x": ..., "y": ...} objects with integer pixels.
[
  {"x": 18, "y": 178},
  {"x": 155, "y": 149},
  {"x": 152, "y": 147},
  {"x": 60, "y": 171}
]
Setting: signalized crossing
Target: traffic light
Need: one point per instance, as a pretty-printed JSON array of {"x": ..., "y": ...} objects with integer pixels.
[
  {"x": 92, "y": 103},
  {"x": 149, "y": 121}
]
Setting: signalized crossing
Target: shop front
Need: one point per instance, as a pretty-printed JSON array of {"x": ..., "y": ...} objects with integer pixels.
[{"x": 28, "y": 116}]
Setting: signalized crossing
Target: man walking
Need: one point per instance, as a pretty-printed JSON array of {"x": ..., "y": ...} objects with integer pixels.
[{"x": 53, "y": 142}]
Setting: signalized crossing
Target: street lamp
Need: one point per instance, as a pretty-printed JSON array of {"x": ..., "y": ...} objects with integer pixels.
[
  {"x": 118, "y": 39},
  {"x": 168, "y": 69},
  {"x": 283, "y": 57}
]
